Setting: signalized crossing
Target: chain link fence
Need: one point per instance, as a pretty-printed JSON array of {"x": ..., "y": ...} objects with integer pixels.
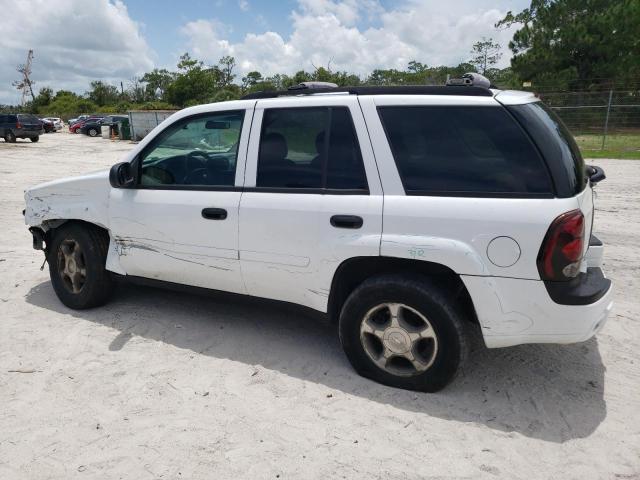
[{"x": 604, "y": 120}]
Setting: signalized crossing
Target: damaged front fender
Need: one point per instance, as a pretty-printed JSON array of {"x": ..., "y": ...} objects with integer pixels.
[
  {"x": 78, "y": 198},
  {"x": 84, "y": 198}
]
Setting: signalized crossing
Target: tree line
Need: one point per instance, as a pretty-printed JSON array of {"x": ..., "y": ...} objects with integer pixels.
[
  {"x": 572, "y": 44},
  {"x": 195, "y": 83}
]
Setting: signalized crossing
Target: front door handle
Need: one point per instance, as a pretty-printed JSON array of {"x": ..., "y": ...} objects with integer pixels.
[
  {"x": 214, "y": 213},
  {"x": 346, "y": 221}
]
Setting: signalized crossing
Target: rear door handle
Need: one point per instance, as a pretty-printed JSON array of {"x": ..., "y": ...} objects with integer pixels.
[
  {"x": 214, "y": 213},
  {"x": 346, "y": 221}
]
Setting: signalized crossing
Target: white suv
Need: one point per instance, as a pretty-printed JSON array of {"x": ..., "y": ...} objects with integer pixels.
[{"x": 400, "y": 212}]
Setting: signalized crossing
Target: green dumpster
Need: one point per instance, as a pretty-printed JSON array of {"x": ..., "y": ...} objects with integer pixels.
[{"x": 124, "y": 130}]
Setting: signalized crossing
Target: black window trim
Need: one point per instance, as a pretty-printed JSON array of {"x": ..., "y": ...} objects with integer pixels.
[
  {"x": 466, "y": 194},
  {"x": 321, "y": 190},
  {"x": 137, "y": 162},
  {"x": 317, "y": 191}
]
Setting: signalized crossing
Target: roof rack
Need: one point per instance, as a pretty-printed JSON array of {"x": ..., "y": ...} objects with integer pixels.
[{"x": 468, "y": 90}]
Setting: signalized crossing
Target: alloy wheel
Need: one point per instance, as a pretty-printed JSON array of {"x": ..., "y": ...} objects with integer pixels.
[
  {"x": 398, "y": 339},
  {"x": 72, "y": 265}
]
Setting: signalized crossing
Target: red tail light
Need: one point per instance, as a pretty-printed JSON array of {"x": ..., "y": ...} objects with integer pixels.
[
  {"x": 18, "y": 125},
  {"x": 561, "y": 251}
]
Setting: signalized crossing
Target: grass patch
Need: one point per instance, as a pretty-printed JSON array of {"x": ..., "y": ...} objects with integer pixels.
[
  {"x": 610, "y": 154},
  {"x": 624, "y": 146}
]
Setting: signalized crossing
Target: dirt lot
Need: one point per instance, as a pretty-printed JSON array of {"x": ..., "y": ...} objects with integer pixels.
[{"x": 170, "y": 385}]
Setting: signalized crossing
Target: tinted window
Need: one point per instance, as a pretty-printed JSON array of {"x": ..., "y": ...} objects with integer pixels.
[
  {"x": 197, "y": 151},
  {"x": 556, "y": 144},
  {"x": 26, "y": 118},
  {"x": 310, "y": 148},
  {"x": 463, "y": 150}
]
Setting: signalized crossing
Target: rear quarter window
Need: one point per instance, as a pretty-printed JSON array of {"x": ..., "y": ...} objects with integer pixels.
[
  {"x": 463, "y": 151},
  {"x": 26, "y": 118},
  {"x": 556, "y": 144}
]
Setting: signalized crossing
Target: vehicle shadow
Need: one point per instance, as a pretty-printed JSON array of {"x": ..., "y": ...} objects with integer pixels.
[{"x": 548, "y": 392}]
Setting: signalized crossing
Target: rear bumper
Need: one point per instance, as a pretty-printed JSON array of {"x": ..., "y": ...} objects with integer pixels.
[
  {"x": 22, "y": 133},
  {"x": 514, "y": 311},
  {"x": 585, "y": 289}
]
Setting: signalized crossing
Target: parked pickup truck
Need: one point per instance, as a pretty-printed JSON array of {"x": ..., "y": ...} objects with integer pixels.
[{"x": 399, "y": 212}]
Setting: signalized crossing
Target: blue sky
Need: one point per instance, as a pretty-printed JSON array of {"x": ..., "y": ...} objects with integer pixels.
[
  {"x": 77, "y": 41},
  {"x": 162, "y": 19}
]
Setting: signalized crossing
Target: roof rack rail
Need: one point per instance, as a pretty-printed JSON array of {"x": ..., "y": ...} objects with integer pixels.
[{"x": 471, "y": 91}]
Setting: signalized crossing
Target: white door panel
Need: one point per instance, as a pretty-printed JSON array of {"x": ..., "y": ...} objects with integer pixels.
[
  {"x": 162, "y": 234},
  {"x": 289, "y": 250},
  {"x": 181, "y": 222}
]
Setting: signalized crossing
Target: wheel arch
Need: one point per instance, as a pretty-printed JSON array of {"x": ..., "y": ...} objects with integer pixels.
[
  {"x": 353, "y": 271},
  {"x": 49, "y": 227}
]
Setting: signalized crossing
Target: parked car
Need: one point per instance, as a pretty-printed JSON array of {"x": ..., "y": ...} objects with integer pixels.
[
  {"x": 47, "y": 125},
  {"x": 80, "y": 123},
  {"x": 77, "y": 119},
  {"x": 401, "y": 213},
  {"x": 21, "y": 125},
  {"x": 92, "y": 127},
  {"x": 73, "y": 127},
  {"x": 57, "y": 122}
]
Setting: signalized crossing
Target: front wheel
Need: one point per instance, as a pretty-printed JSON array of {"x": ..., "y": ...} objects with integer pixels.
[
  {"x": 77, "y": 257},
  {"x": 92, "y": 132},
  {"x": 403, "y": 331}
]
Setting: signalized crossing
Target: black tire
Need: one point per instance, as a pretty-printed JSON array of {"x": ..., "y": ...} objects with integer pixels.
[
  {"x": 98, "y": 284},
  {"x": 34, "y": 139},
  {"x": 92, "y": 132},
  {"x": 9, "y": 137},
  {"x": 422, "y": 295}
]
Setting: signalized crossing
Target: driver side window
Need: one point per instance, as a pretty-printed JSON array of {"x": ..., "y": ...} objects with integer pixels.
[{"x": 198, "y": 151}]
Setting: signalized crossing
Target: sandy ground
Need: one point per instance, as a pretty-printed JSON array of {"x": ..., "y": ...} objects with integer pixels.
[{"x": 170, "y": 385}]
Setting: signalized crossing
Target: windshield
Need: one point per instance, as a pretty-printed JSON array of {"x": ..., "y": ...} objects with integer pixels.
[{"x": 556, "y": 144}]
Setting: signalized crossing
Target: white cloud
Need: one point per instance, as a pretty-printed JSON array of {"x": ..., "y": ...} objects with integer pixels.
[
  {"x": 74, "y": 42},
  {"x": 327, "y": 30},
  {"x": 244, "y": 5}
]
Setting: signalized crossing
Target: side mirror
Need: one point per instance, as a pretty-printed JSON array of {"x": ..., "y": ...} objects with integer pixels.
[
  {"x": 121, "y": 175},
  {"x": 595, "y": 174}
]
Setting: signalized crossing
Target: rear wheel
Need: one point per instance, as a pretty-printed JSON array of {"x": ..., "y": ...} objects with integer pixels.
[
  {"x": 10, "y": 137},
  {"x": 403, "y": 331},
  {"x": 34, "y": 139},
  {"x": 92, "y": 132},
  {"x": 77, "y": 257}
]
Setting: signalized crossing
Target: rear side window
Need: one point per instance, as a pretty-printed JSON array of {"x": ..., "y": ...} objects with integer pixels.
[
  {"x": 556, "y": 144},
  {"x": 26, "y": 118},
  {"x": 310, "y": 148},
  {"x": 466, "y": 151}
]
